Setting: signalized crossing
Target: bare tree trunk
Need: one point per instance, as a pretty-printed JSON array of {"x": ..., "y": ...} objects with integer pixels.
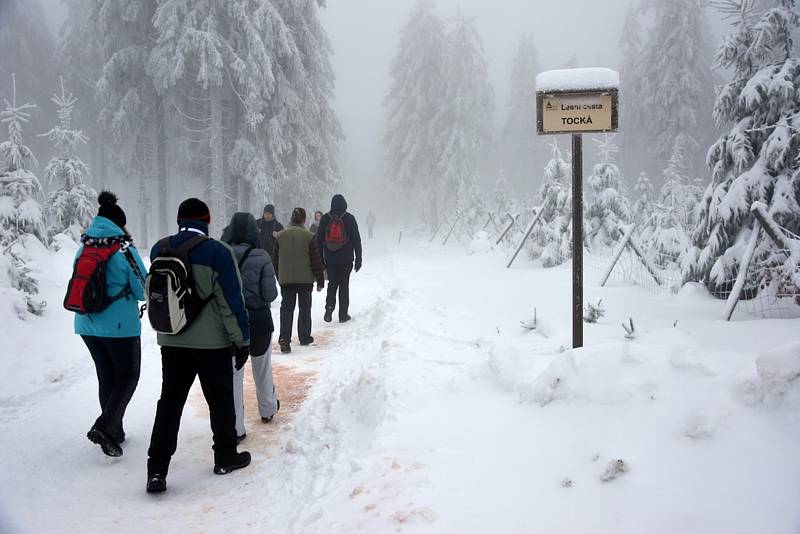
[
  {"x": 161, "y": 149},
  {"x": 144, "y": 206},
  {"x": 217, "y": 185}
]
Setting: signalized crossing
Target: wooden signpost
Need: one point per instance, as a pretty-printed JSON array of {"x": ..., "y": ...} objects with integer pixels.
[{"x": 577, "y": 101}]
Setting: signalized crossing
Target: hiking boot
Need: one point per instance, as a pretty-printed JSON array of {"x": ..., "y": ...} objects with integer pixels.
[
  {"x": 285, "y": 347},
  {"x": 240, "y": 460},
  {"x": 328, "y": 315},
  {"x": 109, "y": 446},
  {"x": 344, "y": 319},
  {"x": 156, "y": 483},
  {"x": 307, "y": 342},
  {"x": 266, "y": 420},
  {"x": 240, "y": 439}
]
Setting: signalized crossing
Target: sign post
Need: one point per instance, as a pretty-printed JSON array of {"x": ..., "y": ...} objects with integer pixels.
[{"x": 577, "y": 101}]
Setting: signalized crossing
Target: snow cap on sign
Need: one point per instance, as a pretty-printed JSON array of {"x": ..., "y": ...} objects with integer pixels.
[{"x": 577, "y": 79}]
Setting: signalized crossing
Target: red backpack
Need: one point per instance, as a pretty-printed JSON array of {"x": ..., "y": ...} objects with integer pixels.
[
  {"x": 86, "y": 292},
  {"x": 336, "y": 234}
]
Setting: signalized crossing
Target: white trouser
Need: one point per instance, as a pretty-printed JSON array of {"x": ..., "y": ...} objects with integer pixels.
[{"x": 265, "y": 389}]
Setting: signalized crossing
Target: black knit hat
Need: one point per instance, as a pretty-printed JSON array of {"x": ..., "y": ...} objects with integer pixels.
[
  {"x": 110, "y": 210},
  {"x": 269, "y": 208},
  {"x": 194, "y": 209}
]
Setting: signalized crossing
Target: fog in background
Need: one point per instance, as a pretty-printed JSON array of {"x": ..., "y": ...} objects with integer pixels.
[{"x": 365, "y": 34}]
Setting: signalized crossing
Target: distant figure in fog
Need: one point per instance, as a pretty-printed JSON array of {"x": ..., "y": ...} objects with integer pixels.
[
  {"x": 268, "y": 227},
  {"x": 371, "y": 225},
  {"x": 340, "y": 242},
  {"x": 315, "y": 225}
]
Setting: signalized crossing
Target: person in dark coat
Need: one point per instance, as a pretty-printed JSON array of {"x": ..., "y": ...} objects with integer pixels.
[
  {"x": 260, "y": 289},
  {"x": 298, "y": 265},
  {"x": 340, "y": 242},
  {"x": 268, "y": 228}
]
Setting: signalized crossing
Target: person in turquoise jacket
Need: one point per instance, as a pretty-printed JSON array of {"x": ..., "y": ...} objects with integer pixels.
[{"x": 113, "y": 335}]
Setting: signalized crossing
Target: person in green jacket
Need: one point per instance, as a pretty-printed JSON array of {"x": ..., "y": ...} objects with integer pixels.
[
  {"x": 113, "y": 335},
  {"x": 298, "y": 265}
]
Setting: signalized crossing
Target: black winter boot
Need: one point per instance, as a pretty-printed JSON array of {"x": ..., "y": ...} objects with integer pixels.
[
  {"x": 328, "y": 315},
  {"x": 286, "y": 348},
  {"x": 109, "y": 446},
  {"x": 156, "y": 483},
  {"x": 240, "y": 460}
]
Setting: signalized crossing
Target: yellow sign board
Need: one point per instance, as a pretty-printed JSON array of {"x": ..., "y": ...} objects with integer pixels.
[{"x": 577, "y": 113}]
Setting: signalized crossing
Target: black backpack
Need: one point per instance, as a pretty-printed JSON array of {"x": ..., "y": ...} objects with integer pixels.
[{"x": 172, "y": 299}]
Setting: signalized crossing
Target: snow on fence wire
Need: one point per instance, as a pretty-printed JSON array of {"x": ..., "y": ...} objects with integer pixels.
[
  {"x": 630, "y": 264},
  {"x": 767, "y": 284}
]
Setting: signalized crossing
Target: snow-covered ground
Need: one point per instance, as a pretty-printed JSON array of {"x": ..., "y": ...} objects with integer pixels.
[{"x": 435, "y": 411}]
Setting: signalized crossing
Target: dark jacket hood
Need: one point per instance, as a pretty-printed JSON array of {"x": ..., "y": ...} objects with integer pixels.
[
  {"x": 243, "y": 229},
  {"x": 338, "y": 204}
]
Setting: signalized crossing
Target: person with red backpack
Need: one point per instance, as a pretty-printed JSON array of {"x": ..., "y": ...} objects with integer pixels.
[
  {"x": 196, "y": 306},
  {"x": 106, "y": 285},
  {"x": 340, "y": 241}
]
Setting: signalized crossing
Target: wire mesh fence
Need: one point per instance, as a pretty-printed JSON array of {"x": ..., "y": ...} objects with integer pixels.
[
  {"x": 772, "y": 285},
  {"x": 631, "y": 270}
]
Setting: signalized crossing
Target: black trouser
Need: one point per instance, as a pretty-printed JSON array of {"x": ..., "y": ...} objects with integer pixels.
[
  {"x": 290, "y": 294},
  {"x": 118, "y": 362},
  {"x": 339, "y": 280},
  {"x": 179, "y": 369}
]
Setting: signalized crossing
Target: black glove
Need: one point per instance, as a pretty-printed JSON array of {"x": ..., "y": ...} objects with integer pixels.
[
  {"x": 241, "y": 355},
  {"x": 358, "y": 265}
]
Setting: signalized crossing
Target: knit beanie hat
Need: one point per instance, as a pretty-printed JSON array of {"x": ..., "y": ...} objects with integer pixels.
[
  {"x": 269, "y": 208},
  {"x": 194, "y": 209},
  {"x": 110, "y": 210}
]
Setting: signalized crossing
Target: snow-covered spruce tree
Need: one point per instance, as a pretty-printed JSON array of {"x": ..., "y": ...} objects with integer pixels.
[
  {"x": 632, "y": 121},
  {"x": 680, "y": 193},
  {"x": 26, "y": 49},
  {"x": 20, "y": 212},
  {"x": 608, "y": 210},
  {"x": 520, "y": 146},
  {"x": 21, "y": 215},
  {"x": 70, "y": 208},
  {"x": 311, "y": 147},
  {"x": 645, "y": 195},
  {"x": 415, "y": 97},
  {"x": 759, "y": 158},
  {"x": 674, "y": 81},
  {"x": 463, "y": 123},
  {"x": 502, "y": 196},
  {"x": 130, "y": 110},
  {"x": 551, "y": 240}
]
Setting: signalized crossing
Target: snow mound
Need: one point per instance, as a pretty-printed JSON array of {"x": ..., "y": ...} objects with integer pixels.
[
  {"x": 480, "y": 244},
  {"x": 776, "y": 381},
  {"x": 577, "y": 79}
]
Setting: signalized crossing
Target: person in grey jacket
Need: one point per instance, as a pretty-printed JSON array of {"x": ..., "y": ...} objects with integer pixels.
[{"x": 260, "y": 289}]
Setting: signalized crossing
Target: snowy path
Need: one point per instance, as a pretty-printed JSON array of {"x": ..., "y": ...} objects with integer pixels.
[{"x": 433, "y": 411}]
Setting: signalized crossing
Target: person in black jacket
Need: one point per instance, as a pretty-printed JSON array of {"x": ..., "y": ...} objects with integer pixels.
[
  {"x": 268, "y": 228},
  {"x": 340, "y": 241}
]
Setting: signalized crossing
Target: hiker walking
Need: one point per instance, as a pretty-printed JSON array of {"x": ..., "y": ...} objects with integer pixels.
[
  {"x": 315, "y": 225},
  {"x": 340, "y": 242},
  {"x": 268, "y": 228},
  {"x": 298, "y": 265},
  {"x": 195, "y": 304},
  {"x": 258, "y": 283},
  {"x": 371, "y": 225},
  {"x": 108, "y": 320}
]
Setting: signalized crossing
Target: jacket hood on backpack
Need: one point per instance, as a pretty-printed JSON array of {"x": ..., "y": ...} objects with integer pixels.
[
  {"x": 103, "y": 227},
  {"x": 243, "y": 229},
  {"x": 338, "y": 204}
]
